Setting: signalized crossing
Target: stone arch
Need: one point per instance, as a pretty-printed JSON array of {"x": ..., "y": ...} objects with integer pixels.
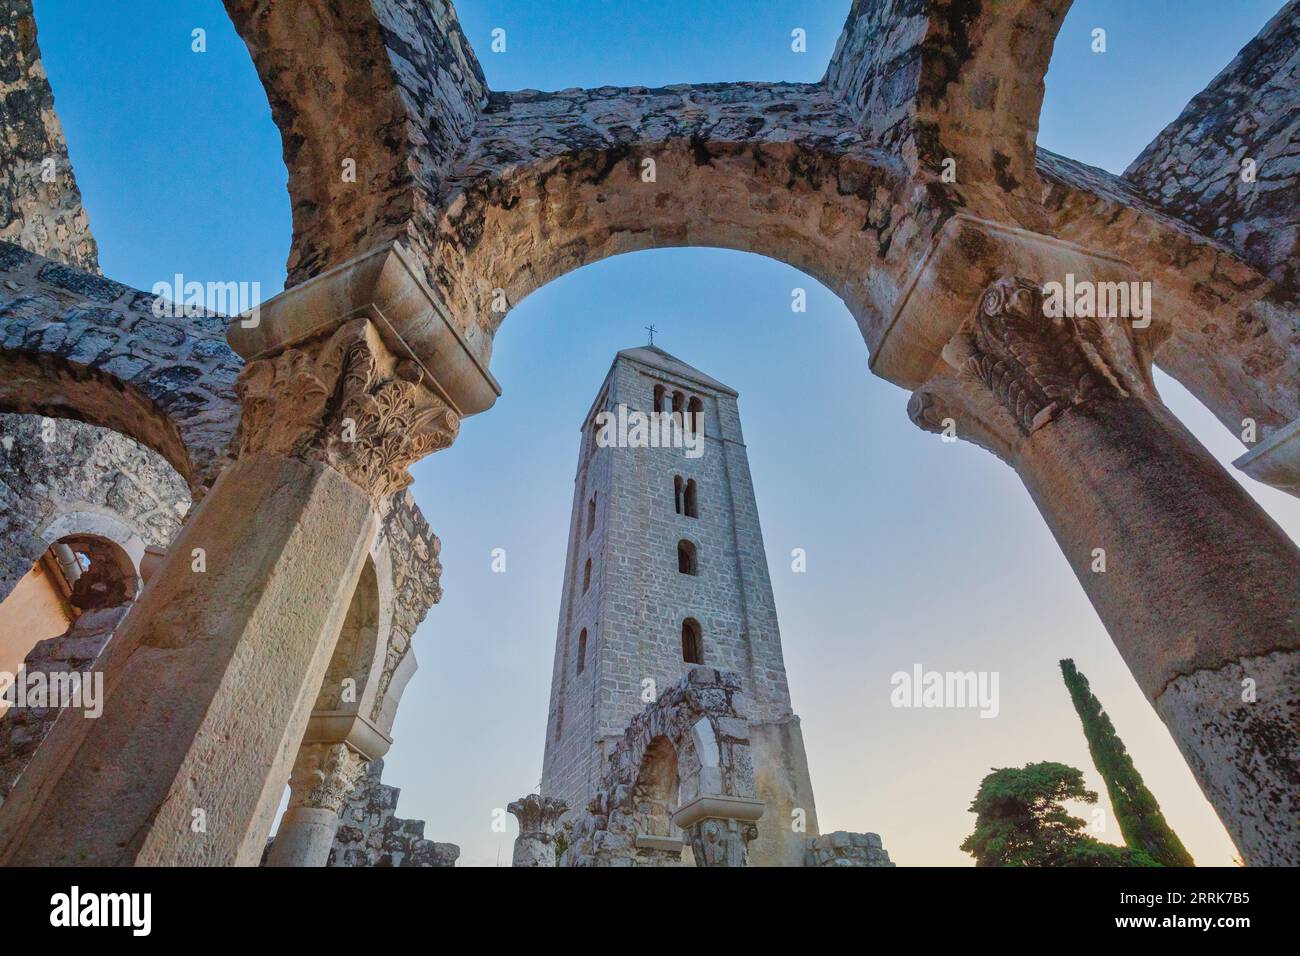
[
  {"x": 349, "y": 695},
  {"x": 393, "y": 87},
  {"x": 692, "y": 742},
  {"x": 89, "y": 564},
  {"x": 496, "y": 193},
  {"x": 78, "y": 346},
  {"x": 749, "y": 167},
  {"x": 357, "y": 651},
  {"x": 84, "y": 479},
  {"x": 655, "y": 795},
  {"x": 950, "y": 79}
]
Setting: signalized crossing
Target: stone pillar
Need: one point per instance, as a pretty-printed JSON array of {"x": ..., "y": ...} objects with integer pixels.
[
  {"x": 1198, "y": 587},
  {"x": 212, "y": 676},
  {"x": 539, "y": 819},
  {"x": 323, "y": 777},
  {"x": 720, "y": 828}
]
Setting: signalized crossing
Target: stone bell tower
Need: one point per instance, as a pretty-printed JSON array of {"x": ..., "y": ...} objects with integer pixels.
[{"x": 666, "y": 570}]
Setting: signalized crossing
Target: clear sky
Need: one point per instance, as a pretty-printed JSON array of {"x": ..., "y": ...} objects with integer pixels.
[{"x": 918, "y": 551}]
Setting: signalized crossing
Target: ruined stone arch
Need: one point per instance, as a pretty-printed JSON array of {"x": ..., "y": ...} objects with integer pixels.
[
  {"x": 692, "y": 742},
  {"x": 497, "y": 193},
  {"x": 81, "y": 347},
  {"x": 85, "y": 479},
  {"x": 655, "y": 796}
]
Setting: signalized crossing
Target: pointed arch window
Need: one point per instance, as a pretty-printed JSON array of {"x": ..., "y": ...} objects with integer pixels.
[
  {"x": 586, "y": 576},
  {"x": 582, "y": 651}
]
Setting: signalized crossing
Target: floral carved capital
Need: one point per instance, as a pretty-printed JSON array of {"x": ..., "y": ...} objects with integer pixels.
[
  {"x": 324, "y": 775},
  {"x": 348, "y": 401}
]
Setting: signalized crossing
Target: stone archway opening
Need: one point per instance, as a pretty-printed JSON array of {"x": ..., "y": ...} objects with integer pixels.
[
  {"x": 77, "y": 573},
  {"x": 656, "y": 795}
]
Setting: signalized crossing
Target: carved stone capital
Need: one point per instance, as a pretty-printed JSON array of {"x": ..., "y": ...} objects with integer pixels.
[
  {"x": 539, "y": 819},
  {"x": 718, "y": 841},
  {"x": 1017, "y": 365},
  {"x": 324, "y": 775},
  {"x": 346, "y": 400},
  {"x": 537, "y": 814}
]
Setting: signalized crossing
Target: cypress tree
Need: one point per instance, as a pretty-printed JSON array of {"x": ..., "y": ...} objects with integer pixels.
[{"x": 1139, "y": 817}]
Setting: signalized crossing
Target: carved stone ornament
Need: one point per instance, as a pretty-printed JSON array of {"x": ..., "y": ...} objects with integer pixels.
[
  {"x": 348, "y": 401},
  {"x": 721, "y": 842},
  {"x": 324, "y": 775},
  {"x": 538, "y": 816},
  {"x": 1036, "y": 366},
  {"x": 1013, "y": 368}
]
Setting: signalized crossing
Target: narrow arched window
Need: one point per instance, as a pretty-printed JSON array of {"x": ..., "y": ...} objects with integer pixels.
[
  {"x": 659, "y": 398},
  {"x": 678, "y": 488},
  {"x": 689, "y": 500},
  {"x": 692, "y": 642},
  {"x": 695, "y": 416},
  {"x": 679, "y": 403},
  {"x": 586, "y": 576},
  {"x": 591, "y": 514},
  {"x": 686, "y": 558},
  {"x": 582, "y": 651}
]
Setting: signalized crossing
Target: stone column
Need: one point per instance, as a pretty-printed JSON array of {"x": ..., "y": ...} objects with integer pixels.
[
  {"x": 1198, "y": 587},
  {"x": 720, "y": 828},
  {"x": 323, "y": 777},
  {"x": 539, "y": 819},
  {"x": 211, "y": 679}
]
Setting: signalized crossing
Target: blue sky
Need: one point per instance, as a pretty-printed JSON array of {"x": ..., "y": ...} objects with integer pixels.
[{"x": 918, "y": 551}]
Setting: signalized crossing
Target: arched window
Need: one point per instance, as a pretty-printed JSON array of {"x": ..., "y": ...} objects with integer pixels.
[
  {"x": 686, "y": 557},
  {"x": 679, "y": 403},
  {"x": 659, "y": 398},
  {"x": 690, "y": 502},
  {"x": 692, "y": 642},
  {"x": 678, "y": 488},
  {"x": 695, "y": 416},
  {"x": 582, "y": 651},
  {"x": 586, "y": 576},
  {"x": 591, "y": 514}
]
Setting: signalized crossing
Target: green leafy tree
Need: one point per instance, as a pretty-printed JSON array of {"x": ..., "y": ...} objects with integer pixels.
[
  {"x": 1136, "y": 810},
  {"x": 1020, "y": 821}
]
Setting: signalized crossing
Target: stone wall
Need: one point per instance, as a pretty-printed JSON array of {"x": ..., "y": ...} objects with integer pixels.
[
  {"x": 40, "y": 205},
  {"x": 842, "y": 848},
  {"x": 370, "y": 833}
]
